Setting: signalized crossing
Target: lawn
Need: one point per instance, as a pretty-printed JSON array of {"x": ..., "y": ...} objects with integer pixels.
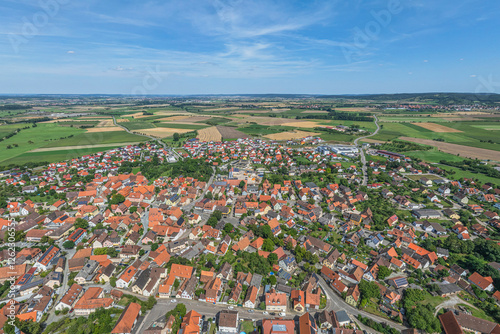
[
  {"x": 32, "y": 138},
  {"x": 247, "y": 326},
  {"x": 136, "y": 125},
  {"x": 477, "y": 312}
]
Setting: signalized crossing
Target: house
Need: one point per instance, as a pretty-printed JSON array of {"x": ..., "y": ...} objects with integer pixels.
[
  {"x": 91, "y": 301},
  {"x": 484, "y": 283},
  {"x": 128, "y": 319},
  {"x": 461, "y": 198},
  {"x": 307, "y": 325},
  {"x": 278, "y": 326},
  {"x": 251, "y": 297},
  {"x": 70, "y": 297},
  {"x": 276, "y": 302},
  {"x": 228, "y": 321},
  {"x": 352, "y": 297}
]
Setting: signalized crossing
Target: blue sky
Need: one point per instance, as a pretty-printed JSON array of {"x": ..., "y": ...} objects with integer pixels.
[{"x": 249, "y": 46}]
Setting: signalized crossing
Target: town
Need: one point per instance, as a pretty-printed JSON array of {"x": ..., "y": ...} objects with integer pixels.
[{"x": 248, "y": 235}]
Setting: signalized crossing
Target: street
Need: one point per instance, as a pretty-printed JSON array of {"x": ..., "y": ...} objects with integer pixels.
[{"x": 363, "y": 158}]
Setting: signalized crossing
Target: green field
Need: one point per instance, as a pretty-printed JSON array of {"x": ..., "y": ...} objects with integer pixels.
[
  {"x": 98, "y": 138},
  {"x": 411, "y": 119},
  {"x": 489, "y": 127},
  {"x": 433, "y": 156},
  {"x": 470, "y": 135},
  {"x": 464, "y": 174},
  {"x": 136, "y": 125},
  {"x": 40, "y": 136},
  {"x": 181, "y": 126},
  {"x": 54, "y": 156}
]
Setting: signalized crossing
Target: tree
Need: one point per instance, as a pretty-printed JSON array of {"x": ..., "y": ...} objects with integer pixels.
[
  {"x": 242, "y": 184},
  {"x": 262, "y": 306},
  {"x": 369, "y": 290},
  {"x": 117, "y": 199},
  {"x": 133, "y": 209},
  {"x": 272, "y": 280},
  {"x": 383, "y": 272},
  {"x": 112, "y": 281},
  {"x": 268, "y": 245},
  {"x": 176, "y": 136},
  {"x": 154, "y": 246},
  {"x": 228, "y": 228},
  {"x": 69, "y": 244},
  {"x": 272, "y": 258},
  {"x": 81, "y": 223}
]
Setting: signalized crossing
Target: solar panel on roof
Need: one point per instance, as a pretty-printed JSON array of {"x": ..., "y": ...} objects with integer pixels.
[{"x": 279, "y": 328}]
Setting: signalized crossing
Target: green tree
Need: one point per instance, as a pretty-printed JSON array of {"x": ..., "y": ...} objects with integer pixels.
[
  {"x": 268, "y": 245},
  {"x": 272, "y": 280},
  {"x": 176, "y": 136},
  {"x": 228, "y": 228},
  {"x": 383, "y": 272},
  {"x": 69, "y": 244}
]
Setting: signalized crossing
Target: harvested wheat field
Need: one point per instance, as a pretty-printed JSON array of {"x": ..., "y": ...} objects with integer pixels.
[
  {"x": 305, "y": 124},
  {"x": 289, "y": 135},
  {"x": 106, "y": 123},
  {"x": 78, "y": 147},
  {"x": 122, "y": 120},
  {"x": 108, "y": 129},
  {"x": 436, "y": 127},
  {"x": 161, "y": 132},
  {"x": 173, "y": 118},
  {"x": 209, "y": 134},
  {"x": 464, "y": 151}
]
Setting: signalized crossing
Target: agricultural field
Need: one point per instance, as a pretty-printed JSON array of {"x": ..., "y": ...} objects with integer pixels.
[
  {"x": 230, "y": 133},
  {"x": 209, "y": 134},
  {"x": 289, "y": 135},
  {"x": 463, "y": 151},
  {"x": 434, "y": 127}
]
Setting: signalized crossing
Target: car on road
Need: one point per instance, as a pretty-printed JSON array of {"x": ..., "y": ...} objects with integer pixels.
[
  {"x": 230, "y": 307},
  {"x": 282, "y": 314},
  {"x": 265, "y": 312},
  {"x": 251, "y": 311},
  {"x": 173, "y": 300}
]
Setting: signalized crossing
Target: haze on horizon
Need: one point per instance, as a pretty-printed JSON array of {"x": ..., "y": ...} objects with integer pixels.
[{"x": 248, "y": 47}]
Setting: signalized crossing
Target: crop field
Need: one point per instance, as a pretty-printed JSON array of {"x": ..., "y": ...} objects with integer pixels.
[
  {"x": 209, "y": 134},
  {"x": 463, "y": 151},
  {"x": 289, "y": 135},
  {"x": 434, "y": 127},
  {"x": 97, "y": 138},
  {"x": 490, "y": 127},
  {"x": 161, "y": 132},
  {"x": 228, "y": 132},
  {"x": 305, "y": 124},
  {"x": 190, "y": 126},
  {"x": 33, "y": 138}
]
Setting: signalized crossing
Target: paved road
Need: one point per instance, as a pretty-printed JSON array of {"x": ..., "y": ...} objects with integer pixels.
[
  {"x": 336, "y": 303},
  {"x": 145, "y": 225},
  {"x": 363, "y": 158}
]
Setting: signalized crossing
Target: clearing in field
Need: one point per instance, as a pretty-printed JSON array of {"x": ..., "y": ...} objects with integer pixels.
[
  {"x": 173, "y": 118},
  {"x": 436, "y": 127},
  {"x": 305, "y": 124},
  {"x": 289, "y": 135},
  {"x": 107, "y": 123},
  {"x": 462, "y": 150},
  {"x": 209, "y": 134},
  {"x": 374, "y": 141},
  {"x": 161, "y": 132}
]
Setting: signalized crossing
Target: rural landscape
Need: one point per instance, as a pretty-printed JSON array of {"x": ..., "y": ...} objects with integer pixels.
[
  {"x": 227, "y": 214},
  {"x": 249, "y": 167}
]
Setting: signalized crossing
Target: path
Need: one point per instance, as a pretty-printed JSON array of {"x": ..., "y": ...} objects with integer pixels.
[
  {"x": 363, "y": 158},
  {"x": 61, "y": 148},
  {"x": 454, "y": 300}
]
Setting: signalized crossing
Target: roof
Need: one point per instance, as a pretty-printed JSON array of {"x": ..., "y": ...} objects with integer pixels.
[
  {"x": 228, "y": 319},
  {"x": 127, "y": 319}
]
